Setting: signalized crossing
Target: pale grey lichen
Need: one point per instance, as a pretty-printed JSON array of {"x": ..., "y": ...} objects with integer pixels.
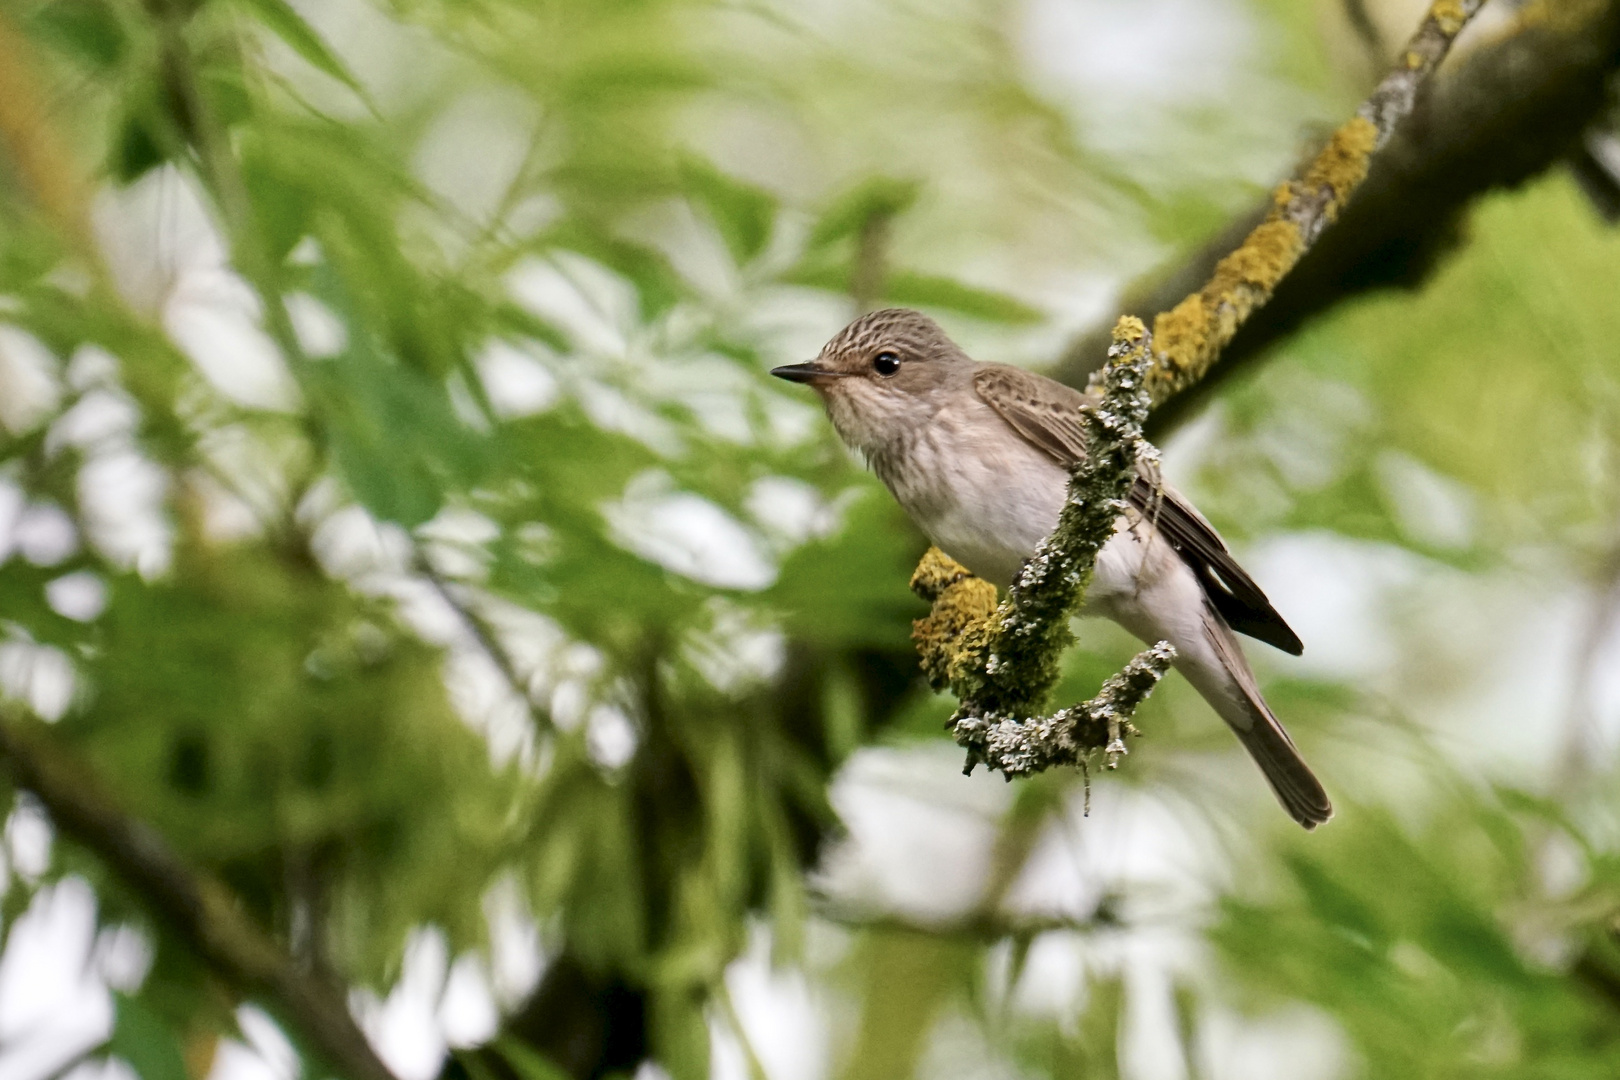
[{"x": 1019, "y": 746}]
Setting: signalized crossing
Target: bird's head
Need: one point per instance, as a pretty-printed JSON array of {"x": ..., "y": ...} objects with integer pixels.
[{"x": 883, "y": 373}]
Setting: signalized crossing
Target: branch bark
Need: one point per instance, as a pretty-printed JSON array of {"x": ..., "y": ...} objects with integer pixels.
[
  {"x": 1191, "y": 336},
  {"x": 201, "y": 910},
  {"x": 1505, "y": 111}
]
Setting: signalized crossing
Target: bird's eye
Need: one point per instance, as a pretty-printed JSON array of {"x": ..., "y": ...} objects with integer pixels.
[{"x": 885, "y": 363}]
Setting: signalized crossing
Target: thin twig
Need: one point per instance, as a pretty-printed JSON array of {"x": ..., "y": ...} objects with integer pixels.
[
  {"x": 867, "y": 281},
  {"x": 722, "y": 994},
  {"x": 1014, "y": 746},
  {"x": 979, "y": 924},
  {"x": 484, "y": 634},
  {"x": 224, "y": 177}
]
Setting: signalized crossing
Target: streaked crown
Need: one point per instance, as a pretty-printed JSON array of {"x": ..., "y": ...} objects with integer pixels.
[{"x": 911, "y": 333}]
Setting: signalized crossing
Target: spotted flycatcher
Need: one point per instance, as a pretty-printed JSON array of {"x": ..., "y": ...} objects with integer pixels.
[{"x": 979, "y": 456}]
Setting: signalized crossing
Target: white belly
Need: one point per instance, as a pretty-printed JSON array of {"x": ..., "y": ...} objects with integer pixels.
[
  {"x": 993, "y": 516},
  {"x": 992, "y": 507}
]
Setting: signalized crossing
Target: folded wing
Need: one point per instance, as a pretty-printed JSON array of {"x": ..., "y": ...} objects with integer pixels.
[{"x": 1047, "y": 414}]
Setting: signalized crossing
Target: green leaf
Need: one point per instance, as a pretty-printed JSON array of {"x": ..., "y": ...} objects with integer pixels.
[
  {"x": 143, "y": 133},
  {"x": 849, "y": 213},
  {"x": 392, "y": 428},
  {"x": 908, "y": 980},
  {"x": 646, "y": 267},
  {"x": 146, "y": 1042},
  {"x": 88, "y": 30},
  {"x": 394, "y": 433},
  {"x": 528, "y": 1063},
  {"x": 743, "y": 213},
  {"x": 680, "y": 1030},
  {"x": 908, "y": 288},
  {"x": 282, "y": 20},
  {"x": 1335, "y": 905}
]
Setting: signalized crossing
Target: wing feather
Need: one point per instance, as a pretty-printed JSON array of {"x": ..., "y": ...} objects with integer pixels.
[{"x": 1048, "y": 415}]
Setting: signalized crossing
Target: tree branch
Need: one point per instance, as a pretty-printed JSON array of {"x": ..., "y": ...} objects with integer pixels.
[
  {"x": 1192, "y": 334},
  {"x": 1505, "y": 111},
  {"x": 1017, "y": 747},
  {"x": 201, "y": 910},
  {"x": 977, "y": 924},
  {"x": 485, "y": 636}
]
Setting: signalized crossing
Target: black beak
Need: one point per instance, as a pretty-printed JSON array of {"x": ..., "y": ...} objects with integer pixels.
[{"x": 805, "y": 373}]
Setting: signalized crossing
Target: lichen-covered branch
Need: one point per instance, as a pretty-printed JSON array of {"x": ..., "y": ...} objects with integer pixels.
[
  {"x": 1001, "y": 660},
  {"x": 1191, "y": 335},
  {"x": 198, "y": 908},
  {"x": 1018, "y": 747},
  {"x": 1508, "y": 109},
  {"x": 1032, "y": 629}
]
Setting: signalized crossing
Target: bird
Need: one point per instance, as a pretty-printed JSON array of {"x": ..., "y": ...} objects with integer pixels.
[{"x": 979, "y": 455}]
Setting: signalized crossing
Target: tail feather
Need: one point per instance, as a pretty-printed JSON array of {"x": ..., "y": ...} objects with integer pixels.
[
  {"x": 1296, "y": 787},
  {"x": 1166, "y": 600},
  {"x": 1247, "y": 714}
]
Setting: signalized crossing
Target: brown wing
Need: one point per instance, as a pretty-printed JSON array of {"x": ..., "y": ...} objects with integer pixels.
[
  {"x": 1230, "y": 589},
  {"x": 1047, "y": 414}
]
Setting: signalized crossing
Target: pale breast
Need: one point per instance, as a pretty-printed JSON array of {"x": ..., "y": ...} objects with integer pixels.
[
  {"x": 987, "y": 498},
  {"x": 980, "y": 492}
]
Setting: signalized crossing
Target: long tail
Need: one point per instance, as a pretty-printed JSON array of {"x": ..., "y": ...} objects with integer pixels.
[
  {"x": 1247, "y": 714},
  {"x": 1297, "y": 788}
]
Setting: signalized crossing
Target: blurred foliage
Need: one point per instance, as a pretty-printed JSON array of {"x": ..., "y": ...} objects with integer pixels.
[
  {"x": 1426, "y": 943},
  {"x": 398, "y": 511}
]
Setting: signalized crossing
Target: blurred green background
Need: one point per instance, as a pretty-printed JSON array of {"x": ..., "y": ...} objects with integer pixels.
[{"x": 396, "y": 515}]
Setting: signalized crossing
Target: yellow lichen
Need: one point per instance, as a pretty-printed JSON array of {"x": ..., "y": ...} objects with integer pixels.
[
  {"x": 936, "y": 572},
  {"x": 1342, "y": 164},
  {"x": 1129, "y": 330},
  {"x": 1270, "y": 251},
  {"x": 1450, "y": 15},
  {"x": 951, "y": 639},
  {"x": 1189, "y": 336},
  {"x": 1179, "y": 337}
]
